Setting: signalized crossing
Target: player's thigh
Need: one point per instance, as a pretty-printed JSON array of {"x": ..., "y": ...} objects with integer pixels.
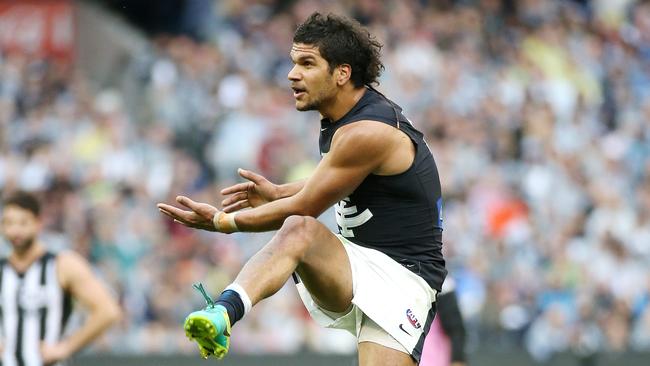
[
  {"x": 373, "y": 354},
  {"x": 325, "y": 268}
]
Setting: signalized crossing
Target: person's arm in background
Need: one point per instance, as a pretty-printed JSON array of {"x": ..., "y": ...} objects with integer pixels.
[
  {"x": 75, "y": 275},
  {"x": 451, "y": 321}
]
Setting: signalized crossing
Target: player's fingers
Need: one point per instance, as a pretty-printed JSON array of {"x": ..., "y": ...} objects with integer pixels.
[
  {"x": 181, "y": 222},
  {"x": 165, "y": 209},
  {"x": 163, "y": 206},
  {"x": 187, "y": 202},
  {"x": 167, "y": 213},
  {"x": 188, "y": 219},
  {"x": 240, "y": 187},
  {"x": 234, "y": 198},
  {"x": 174, "y": 212},
  {"x": 237, "y": 206},
  {"x": 253, "y": 177}
]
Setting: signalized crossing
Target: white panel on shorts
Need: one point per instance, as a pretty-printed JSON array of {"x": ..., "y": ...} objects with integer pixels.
[
  {"x": 393, "y": 297},
  {"x": 372, "y": 332}
]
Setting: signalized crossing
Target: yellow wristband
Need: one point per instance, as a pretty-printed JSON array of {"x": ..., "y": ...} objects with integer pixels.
[{"x": 225, "y": 222}]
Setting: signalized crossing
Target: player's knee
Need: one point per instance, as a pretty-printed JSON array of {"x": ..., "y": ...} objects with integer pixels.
[
  {"x": 303, "y": 226},
  {"x": 302, "y": 230}
]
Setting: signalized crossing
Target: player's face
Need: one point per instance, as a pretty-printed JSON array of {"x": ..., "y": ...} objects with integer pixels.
[
  {"x": 20, "y": 227},
  {"x": 311, "y": 78}
]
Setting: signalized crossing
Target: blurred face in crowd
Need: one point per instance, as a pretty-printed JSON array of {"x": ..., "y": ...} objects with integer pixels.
[
  {"x": 20, "y": 227},
  {"x": 311, "y": 78}
]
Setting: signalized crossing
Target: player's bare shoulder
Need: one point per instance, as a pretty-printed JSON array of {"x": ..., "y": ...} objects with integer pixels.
[
  {"x": 69, "y": 263},
  {"x": 70, "y": 257},
  {"x": 364, "y": 134},
  {"x": 391, "y": 148}
]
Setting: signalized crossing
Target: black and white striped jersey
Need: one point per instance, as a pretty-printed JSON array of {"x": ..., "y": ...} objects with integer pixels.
[{"x": 33, "y": 308}]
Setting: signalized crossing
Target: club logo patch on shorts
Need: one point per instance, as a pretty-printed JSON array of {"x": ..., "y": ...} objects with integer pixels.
[{"x": 412, "y": 319}]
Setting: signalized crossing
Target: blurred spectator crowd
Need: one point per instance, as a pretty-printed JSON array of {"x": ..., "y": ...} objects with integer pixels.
[{"x": 537, "y": 112}]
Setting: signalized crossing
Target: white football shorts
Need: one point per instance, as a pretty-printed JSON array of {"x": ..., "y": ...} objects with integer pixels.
[{"x": 391, "y": 305}]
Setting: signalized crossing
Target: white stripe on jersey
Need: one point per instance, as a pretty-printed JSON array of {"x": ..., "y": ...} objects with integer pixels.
[
  {"x": 9, "y": 288},
  {"x": 30, "y": 299},
  {"x": 55, "y": 308}
]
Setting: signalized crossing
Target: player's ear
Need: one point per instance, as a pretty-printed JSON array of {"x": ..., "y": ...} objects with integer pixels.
[{"x": 343, "y": 74}]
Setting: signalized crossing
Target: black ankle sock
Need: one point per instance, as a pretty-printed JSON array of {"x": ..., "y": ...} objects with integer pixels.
[{"x": 230, "y": 300}]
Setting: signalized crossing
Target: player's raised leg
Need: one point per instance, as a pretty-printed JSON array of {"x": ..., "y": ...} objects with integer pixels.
[
  {"x": 305, "y": 246},
  {"x": 302, "y": 245}
]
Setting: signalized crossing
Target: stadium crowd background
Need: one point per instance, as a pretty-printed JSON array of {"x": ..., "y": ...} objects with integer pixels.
[{"x": 538, "y": 113}]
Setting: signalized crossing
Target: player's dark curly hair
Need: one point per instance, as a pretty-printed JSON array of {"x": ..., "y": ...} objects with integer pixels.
[
  {"x": 341, "y": 40},
  {"x": 24, "y": 200}
]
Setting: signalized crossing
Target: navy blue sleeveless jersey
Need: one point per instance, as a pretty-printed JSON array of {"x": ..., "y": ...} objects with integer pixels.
[{"x": 399, "y": 215}]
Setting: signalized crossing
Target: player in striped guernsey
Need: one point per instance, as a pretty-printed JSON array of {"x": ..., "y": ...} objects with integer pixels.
[{"x": 36, "y": 292}]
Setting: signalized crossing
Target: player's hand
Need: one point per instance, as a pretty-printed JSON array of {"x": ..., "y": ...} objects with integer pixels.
[
  {"x": 53, "y": 353},
  {"x": 256, "y": 192},
  {"x": 458, "y": 364},
  {"x": 199, "y": 215}
]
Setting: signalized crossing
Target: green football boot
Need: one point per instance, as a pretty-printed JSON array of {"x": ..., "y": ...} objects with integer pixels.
[{"x": 210, "y": 327}]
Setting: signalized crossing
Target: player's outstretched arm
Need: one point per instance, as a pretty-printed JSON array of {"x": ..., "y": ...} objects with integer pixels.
[
  {"x": 76, "y": 276},
  {"x": 357, "y": 150},
  {"x": 256, "y": 192}
]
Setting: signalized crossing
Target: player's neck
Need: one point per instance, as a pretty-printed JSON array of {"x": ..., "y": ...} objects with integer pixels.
[
  {"x": 345, "y": 100},
  {"x": 22, "y": 259}
]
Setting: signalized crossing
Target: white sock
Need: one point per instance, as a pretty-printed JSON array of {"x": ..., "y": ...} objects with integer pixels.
[{"x": 242, "y": 295}]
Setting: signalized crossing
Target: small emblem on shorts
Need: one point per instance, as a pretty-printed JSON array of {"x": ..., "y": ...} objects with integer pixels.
[
  {"x": 401, "y": 326},
  {"x": 412, "y": 319}
]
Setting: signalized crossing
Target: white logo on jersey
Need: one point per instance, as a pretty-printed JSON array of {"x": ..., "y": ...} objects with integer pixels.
[{"x": 347, "y": 217}]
